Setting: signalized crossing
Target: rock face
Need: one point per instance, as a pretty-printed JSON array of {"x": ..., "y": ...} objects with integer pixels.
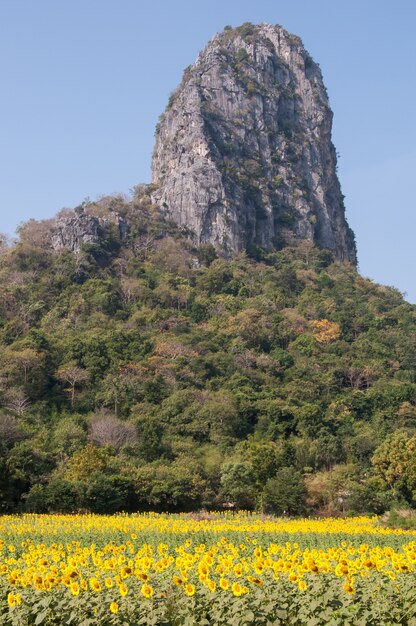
[
  {"x": 71, "y": 231},
  {"x": 243, "y": 153}
]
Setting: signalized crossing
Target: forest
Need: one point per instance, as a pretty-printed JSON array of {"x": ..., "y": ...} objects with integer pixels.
[{"x": 147, "y": 373}]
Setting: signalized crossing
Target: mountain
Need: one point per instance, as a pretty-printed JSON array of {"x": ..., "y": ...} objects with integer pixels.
[
  {"x": 158, "y": 356},
  {"x": 243, "y": 153}
]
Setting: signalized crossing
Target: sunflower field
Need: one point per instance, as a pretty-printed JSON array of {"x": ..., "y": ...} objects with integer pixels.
[{"x": 217, "y": 569}]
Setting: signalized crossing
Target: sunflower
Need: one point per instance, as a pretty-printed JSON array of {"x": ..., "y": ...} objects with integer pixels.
[
  {"x": 123, "y": 589},
  {"x": 189, "y": 589},
  {"x": 348, "y": 588},
  {"x": 238, "y": 569},
  {"x": 114, "y": 607},
  {"x": 237, "y": 589},
  {"x": 75, "y": 588},
  {"x": 95, "y": 584},
  {"x": 256, "y": 581},
  {"x": 11, "y": 599},
  {"x": 147, "y": 591}
]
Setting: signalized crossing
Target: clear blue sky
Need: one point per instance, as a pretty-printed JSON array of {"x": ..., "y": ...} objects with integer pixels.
[{"x": 84, "y": 81}]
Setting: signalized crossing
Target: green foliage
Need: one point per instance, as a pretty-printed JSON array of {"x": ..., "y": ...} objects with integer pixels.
[
  {"x": 59, "y": 495},
  {"x": 246, "y": 29},
  {"x": 285, "y": 493},
  {"x": 177, "y": 486},
  {"x": 395, "y": 462},
  {"x": 241, "y": 367},
  {"x": 242, "y": 54},
  {"x": 238, "y": 485},
  {"x": 401, "y": 518}
]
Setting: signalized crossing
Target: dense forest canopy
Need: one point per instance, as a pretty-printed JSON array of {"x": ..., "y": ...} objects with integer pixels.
[{"x": 142, "y": 373}]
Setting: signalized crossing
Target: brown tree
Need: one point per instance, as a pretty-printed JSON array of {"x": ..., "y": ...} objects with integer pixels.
[
  {"x": 111, "y": 431},
  {"x": 9, "y": 430},
  {"x": 15, "y": 400},
  {"x": 74, "y": 376}
]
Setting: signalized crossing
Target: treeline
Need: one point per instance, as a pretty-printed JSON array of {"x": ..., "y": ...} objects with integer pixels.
[{"x": 147, "y": 374}]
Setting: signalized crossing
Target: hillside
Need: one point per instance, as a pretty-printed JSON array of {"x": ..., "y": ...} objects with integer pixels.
[{"x": 143, "y": 372}]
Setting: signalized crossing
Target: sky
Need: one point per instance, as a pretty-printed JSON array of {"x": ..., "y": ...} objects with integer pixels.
[{"x": 83, "y": 83}]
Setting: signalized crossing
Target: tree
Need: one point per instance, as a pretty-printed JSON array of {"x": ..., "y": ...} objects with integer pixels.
[
  {"x": 266, "y": 457},
  {"x": 16, "y": 401},
  {"x": 115, "y": 389},
  {"x": 171, "y": 255},
  {"x": 395, "y": 462},
  {"x": 407, "y": 414},
  {"x": 4, "y": 243},
  {"x": 27, "y": 464},
  {"x": 108, "y": 494},
  {"x": 107, "y": 430},
  {"x": 206, "y": 254},
  {"x": 69, "y": 436},
  {"x": 74, "y": 376},
  {"x": 325, "y": 331},
  {"x": 58, "y": 496},
  {"x": 178, "y": 486},
  {"x": 24, "y": 362},
  {"x": 85, "y": 463},
  {"x": 285, "y": 493},
  {"x": 253, "y": 327},
  {"x": 174, "y": 350},
  {"x": 238, "y": 485},
  {"x": 10, "y": 431},
  {"x": 214, "y": 416},
  {"x": 150, "y": 438},
  {"x": 36, "y": 233}
]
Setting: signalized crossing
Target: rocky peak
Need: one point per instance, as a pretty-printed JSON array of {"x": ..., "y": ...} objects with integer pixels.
[
  {"x": 78, "y": 227},
  {"x": 243, "y": 153}
]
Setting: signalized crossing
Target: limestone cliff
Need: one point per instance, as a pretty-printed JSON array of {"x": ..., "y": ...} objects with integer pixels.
[
  {"x": 243, "y": 153},
  {"x": 76, "y": 228}
]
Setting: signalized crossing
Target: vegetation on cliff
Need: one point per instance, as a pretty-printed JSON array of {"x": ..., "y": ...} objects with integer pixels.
[{"x": 146, "y": 374}]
